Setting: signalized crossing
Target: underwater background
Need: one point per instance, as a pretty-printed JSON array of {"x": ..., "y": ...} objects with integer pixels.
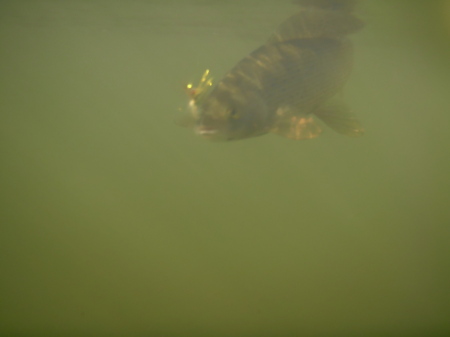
[{"x": 114, "y": 221}]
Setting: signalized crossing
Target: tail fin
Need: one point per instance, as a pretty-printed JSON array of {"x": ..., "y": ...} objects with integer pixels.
[{"x": 319, "y": 19}]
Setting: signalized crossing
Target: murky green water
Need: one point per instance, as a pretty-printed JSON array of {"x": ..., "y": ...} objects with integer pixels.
[{"x": 114, "y": 221}]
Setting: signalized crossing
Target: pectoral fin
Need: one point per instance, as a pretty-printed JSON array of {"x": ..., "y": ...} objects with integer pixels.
[
  {"x": 295, "y": 127},
  {"x": 187, "y": 117},
  {"x": 340, "y": 119},
  {"x": 185, "y": 120}
]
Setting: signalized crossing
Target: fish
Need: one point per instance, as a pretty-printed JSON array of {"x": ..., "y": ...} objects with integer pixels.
[{"x": 289, "y": 86}]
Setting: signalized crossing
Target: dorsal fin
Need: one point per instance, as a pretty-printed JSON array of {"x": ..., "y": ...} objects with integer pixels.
[
  {"x": 338, "y": 5},
  {"x": 311, "y": 23}
]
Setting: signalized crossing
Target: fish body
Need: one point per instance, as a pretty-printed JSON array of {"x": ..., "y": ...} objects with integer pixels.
[{"x": 284, "y": 85}]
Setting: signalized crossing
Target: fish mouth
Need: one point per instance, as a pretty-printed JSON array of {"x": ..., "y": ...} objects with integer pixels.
[{"x": 206, "y": 131}]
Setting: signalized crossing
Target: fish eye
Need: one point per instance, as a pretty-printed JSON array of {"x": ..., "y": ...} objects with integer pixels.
[{"x": 234, "y": 113}]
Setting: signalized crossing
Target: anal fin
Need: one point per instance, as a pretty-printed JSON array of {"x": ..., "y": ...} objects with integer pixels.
[{"x": 340, "y": 119}]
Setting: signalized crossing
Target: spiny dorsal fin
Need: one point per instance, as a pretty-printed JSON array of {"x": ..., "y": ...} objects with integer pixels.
[
  {"x": 338, "y": 5},
  {"x": 314, "y": 23}
]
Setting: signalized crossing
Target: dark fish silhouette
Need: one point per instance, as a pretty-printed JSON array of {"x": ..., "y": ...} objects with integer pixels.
[{"x": 286, "y": 84}]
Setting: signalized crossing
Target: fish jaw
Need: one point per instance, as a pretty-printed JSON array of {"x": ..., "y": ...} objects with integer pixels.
[
  {"x": 209, "y": 133},
  {"x": 214, "y": 129}
]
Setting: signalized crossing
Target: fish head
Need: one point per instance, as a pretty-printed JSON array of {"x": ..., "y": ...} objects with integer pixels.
[{"x": 225, "y": 115}]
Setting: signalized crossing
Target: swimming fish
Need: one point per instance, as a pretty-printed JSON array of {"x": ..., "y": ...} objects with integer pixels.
[{"x": 286, "y": 85}]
